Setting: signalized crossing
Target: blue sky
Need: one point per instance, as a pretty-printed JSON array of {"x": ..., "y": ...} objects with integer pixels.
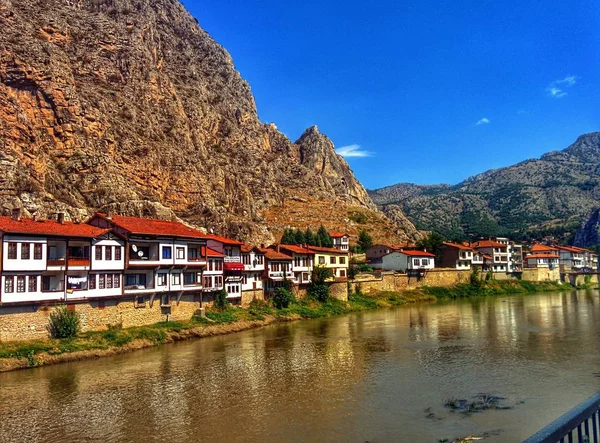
[{"x": 408, "y": 82}]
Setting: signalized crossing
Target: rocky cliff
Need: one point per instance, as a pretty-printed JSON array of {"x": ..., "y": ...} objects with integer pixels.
[
  {"x": 552, "y": 194},
  {"x": 129, "y": 104}
]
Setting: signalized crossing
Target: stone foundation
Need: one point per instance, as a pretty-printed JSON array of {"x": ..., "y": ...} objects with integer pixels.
[
  {"x": 31, "y": 322},
  {"x": 541, "y": 274},
  {"x": 391, "y": 281},
  {"x": 248, "y": 296}
]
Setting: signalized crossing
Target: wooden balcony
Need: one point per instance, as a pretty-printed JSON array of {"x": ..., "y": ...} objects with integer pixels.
[
  {"x": 78, "y": 261},
  {"x": 56, "y": 262}
]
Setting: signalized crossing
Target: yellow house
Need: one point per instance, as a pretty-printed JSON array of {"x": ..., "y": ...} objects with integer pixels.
[{"x": 333, "y": 259}]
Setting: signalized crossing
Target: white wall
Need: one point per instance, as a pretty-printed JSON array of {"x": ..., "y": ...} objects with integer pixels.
[
  {"x": 104, "y": 264},
  {"x": 19, "y": 264}
]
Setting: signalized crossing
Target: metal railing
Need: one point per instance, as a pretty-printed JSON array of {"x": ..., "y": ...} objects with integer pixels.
[{"x": 580, "y": 424}]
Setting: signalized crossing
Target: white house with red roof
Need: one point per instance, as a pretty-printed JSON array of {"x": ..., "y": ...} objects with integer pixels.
[
  {"x": 571, "y": 258},
  {"x": 253, "y": 260},
  {"x": 233, "y": 267},
  {"x": 278, "y": 267},
  {"x": 542, "y": 256},
  {"x": 403, "y": 261},
  {"x": 163, "y": 258},
  {"x": 302, "y": 265},
  {"x": 212, "y": 280},
  {"x": 341, "y": 241},
  {"x": 58, "y": 260},
  {"x": 498, "y": 251}
]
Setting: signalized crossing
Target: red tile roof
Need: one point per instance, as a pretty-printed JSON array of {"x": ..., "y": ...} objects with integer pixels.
[
  {"x": 49, "y": 227},
  {"x": 296, "y": 249},
  {"x": 457, "y": 246},
  {"x": 541, "y": 256},
  {"x": 213, "y": 253},
  {"x": 417, "y": 253},
  {"x": 488, "y": 244},
  {"x": 246, "y": 248},
  {"x": 151, "y": 226},
  {"x": 327, "y": 250},
  {"x": 272, "y": 254},
  {"x": 542, "y": 248},
  {"x": 572, "y": 249},
  {"x": 224, "y": 240},
  {"x": 338, "y": 234}
]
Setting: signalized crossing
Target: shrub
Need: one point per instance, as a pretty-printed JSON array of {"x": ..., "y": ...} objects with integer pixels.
[
  {"x": 283, "y": 298},
  {"x": 64, "y": 323},
  {"x": 221, "y": 302},
  {"x": 365, "y": 268}
]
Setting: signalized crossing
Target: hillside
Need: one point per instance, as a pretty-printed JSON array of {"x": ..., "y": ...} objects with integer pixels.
[
  {"x": 552, "y": 194},
  {"x": 130, "y": 105}
]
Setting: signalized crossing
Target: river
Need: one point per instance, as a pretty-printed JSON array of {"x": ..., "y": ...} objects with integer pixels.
[{"x": 376, "y": 376}]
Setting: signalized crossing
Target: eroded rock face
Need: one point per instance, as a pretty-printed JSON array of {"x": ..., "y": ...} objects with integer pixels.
[
  {"x": 589, "y": 232},
  {"x": 129, "y": 104}
]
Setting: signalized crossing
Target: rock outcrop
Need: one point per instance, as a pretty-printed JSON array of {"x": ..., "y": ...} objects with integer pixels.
[{"x": 129, "y": 104}]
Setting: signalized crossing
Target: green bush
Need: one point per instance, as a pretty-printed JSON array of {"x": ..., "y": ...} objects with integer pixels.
[
  {"x": 221, "y": 302},
  {"x": 282, "y": 298},
  {"x": 64, "y": 323},
  {"x": 365, "y": 268},
  {"x": 318, "y": 291}
]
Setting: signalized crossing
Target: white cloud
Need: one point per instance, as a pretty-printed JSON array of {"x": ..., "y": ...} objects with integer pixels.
[
  {"x": 352, "y": 151},
  {"x": 483, "y": 121},
  {"x": 556, "y": 89}
]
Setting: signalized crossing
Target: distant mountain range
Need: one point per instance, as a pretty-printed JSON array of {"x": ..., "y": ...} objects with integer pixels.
[{"x": 554, "y": 194}]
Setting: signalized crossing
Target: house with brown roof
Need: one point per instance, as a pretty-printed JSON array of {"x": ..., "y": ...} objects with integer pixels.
[
  {"x": 302, "y": 264},
  {"x": 253, "y": 260},
  {"x": 456, "y": 255},
  {"x": 498, "y": 251},
  {"x": 331, "y": 258},
  {"x": 58, "y": 260},
  {"x": 542, "y": 256}
]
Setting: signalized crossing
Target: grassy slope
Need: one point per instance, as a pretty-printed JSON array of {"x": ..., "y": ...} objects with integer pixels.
[{"x": 16, "y": 355}]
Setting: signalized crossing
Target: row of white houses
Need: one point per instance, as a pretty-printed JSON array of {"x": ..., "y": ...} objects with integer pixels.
[{"x": 116, "y": 256}]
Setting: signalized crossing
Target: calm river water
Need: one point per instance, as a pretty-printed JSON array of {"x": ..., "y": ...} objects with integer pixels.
[{"x": 376, "y": 376}]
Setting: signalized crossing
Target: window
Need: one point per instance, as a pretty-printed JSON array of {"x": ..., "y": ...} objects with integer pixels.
[
  {"x": 260, "y": 259},
  {"x": 100, "y": 281},
  {"x": 176, "y": 279},
  {"x": 98, "y": 250},
  {"x": 167, "y": 252},
  {"x": 165, "y": 300},
  {"x": 275, "y": 267},
  {"x": 193, "y": 253},
  {"x": 189, "y": 278},
  {"x": 37, "y": 251},
  {"x": 9, "y": 283},
  {"x": 45, "y": 282},
  {"x": 77, "y": 282},
  {"x": 208, "y": 282},
  {"x": 92, "y": 281},
  {"x": 332, "y": 260},
  {"x": 180, "y": 253},
  {"x": 25, "y": 250},
  {"x": 117, "y": 253},
  {"x": 219, "y": 281},
  {"x": 246, "y": 259},
  {"x": 219, "y": 265},
  {"x": 424, "y": 262},
  {"x": 321, "y": 260},
  {"x": 79, "y": 252},
  {"x": 161, "y": 279},
  {"x": 245, "y": 279},
  {"x": 32, "y": 283},
  {"x": 108, "y": 252},
  {"x": 211, "y": 265},
  {"x": 109, "y": 281},
  {"x": 12, "y": 251},
  {"x": 20, "y": 283},
  {"x": 415, "y": 262},
  {"x": 117, "y": 280},
  {"x": 342, "y": 272},
  {"x": 342, "y": 260}
]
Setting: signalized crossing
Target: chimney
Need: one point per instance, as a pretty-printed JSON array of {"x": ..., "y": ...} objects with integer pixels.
[
  {"x": 34, "y": 217},
  {"x": 278, "y": 247},
  {"x": 60, "y": 217},
  {"x": 108, "y": 213},
  {"x": 262, "y": 246},
  {"x": 16, "y": 214}
]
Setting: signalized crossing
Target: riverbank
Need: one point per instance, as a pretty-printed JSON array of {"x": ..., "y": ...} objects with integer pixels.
[{"x": 22, "y": 355}]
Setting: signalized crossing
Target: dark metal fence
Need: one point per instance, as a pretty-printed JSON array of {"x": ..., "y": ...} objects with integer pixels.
[{"x": 581, "y": 424}]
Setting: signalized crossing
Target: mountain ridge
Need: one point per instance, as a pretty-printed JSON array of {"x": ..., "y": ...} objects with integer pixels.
[{"x": 553, "y": 193}]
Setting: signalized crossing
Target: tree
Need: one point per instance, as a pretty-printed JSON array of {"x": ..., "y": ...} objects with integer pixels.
[
  {"x": 309, "y": 237},
  {"x": 365, "y": 241},
  {"x": 299, "y": 237},
  {"x": 326, "y": 240},
  {"x": 64, "y": 323},
  {"x": 288, "y": 237},
  {"x": 282, "y": 298},
  {"x": 318, "y": 289},
  {"x": 221, "y": 302}
]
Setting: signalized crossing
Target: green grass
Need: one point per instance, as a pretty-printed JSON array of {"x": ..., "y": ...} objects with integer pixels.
[{"x": 493, "y": 287}]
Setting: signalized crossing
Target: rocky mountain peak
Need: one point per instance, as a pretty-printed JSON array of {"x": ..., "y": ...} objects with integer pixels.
[{"x": 129, "y": 104}]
